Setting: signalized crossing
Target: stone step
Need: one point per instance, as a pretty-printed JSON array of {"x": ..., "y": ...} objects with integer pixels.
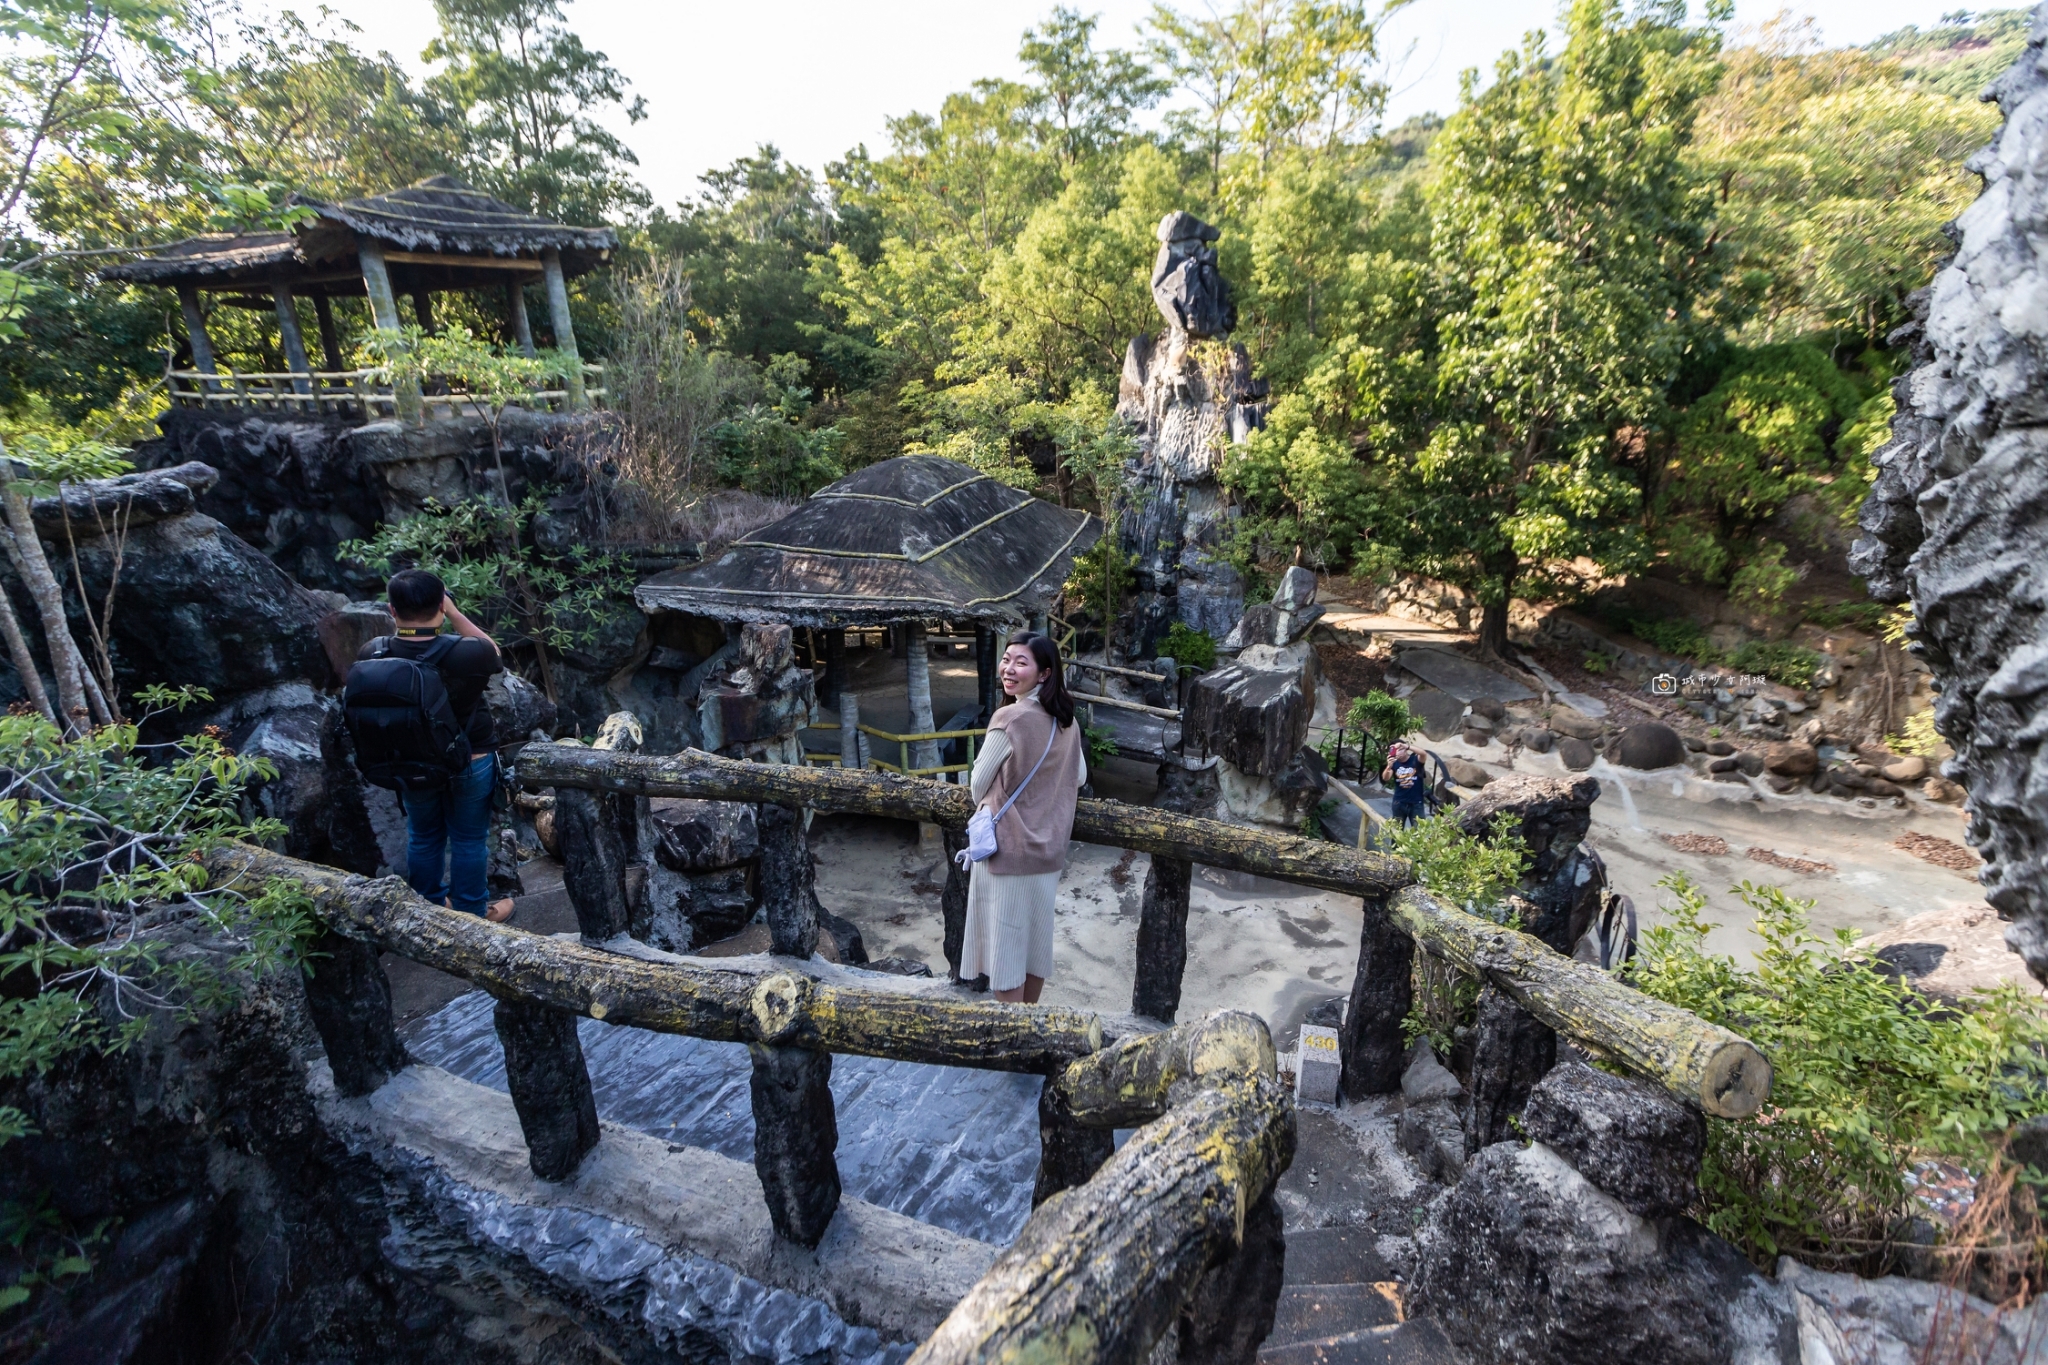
[
  {"x": 1316, "y": 1312},
  {"x": 1417, "y": 1342},
  {"x": 1336, "y": 1256}
]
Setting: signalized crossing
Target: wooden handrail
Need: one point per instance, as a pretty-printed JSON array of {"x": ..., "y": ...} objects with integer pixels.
[{"x": 1312, "y": 862}]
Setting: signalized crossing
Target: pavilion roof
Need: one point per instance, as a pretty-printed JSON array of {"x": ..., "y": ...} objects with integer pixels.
[
  {"x": 470, "y": 237},
  {"x": 913, "y": 538}
]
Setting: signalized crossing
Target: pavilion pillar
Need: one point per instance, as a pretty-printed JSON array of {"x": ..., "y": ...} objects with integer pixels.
[
  {"x": 565, "y": 330},
  {"x": 835, "y": 668},
  {"x": 988, "y": 653},
  {"x": 515, "y": 311},
  {"x": 924, "y": 753},
  {"x": 384, "y": 310},
  {"x": 423, "y": 309},
  {"x": 330, "y": 339},
  {"x": 294, "y": 340},
  {"x": 195, "y": 331}
]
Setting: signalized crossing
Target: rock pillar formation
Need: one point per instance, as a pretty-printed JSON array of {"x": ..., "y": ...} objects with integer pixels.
[
  {"x": 1186, "y": 395},
  {"x": 1957, "y": 520}
]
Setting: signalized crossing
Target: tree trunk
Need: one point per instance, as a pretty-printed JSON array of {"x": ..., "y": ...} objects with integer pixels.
[
  {"x": 24, "y": 662},
  {"x": 1493, "y": 630},
  {"x": 26, "y": 550}
]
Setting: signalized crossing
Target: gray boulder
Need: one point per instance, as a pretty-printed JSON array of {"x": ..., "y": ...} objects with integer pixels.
[
  {"x": 1629, "y": 1138},
  {"x": 1434, "y": 1135},
  {"x": 1577, "y": 724},
  {"x": 1427, "y": 1079},
  {"x": 518, "y": 708},
  {"x": 1253, "y": 712},
  {"x": 1577, "y": 753},
  {"x": 1648, "y": 746},
  {"x": 1552, "y": 815},
  {"x": 703, "y": 836},
  {"x": 1190, "y": 293},
  {"x": 1526, "y": 1260}
]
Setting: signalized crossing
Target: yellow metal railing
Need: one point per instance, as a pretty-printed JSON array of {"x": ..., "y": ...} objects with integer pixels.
[
  {"x": 902, "y": 743},
  {"x": 366, "y": 391}
]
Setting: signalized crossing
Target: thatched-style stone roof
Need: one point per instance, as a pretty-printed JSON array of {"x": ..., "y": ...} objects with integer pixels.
[
  {"x": 914, "y": 538},
  {"x": 439, "y": 217}
]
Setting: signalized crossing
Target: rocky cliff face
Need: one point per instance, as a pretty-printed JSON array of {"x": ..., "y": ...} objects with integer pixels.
[{"x": 1957, "y": 521}]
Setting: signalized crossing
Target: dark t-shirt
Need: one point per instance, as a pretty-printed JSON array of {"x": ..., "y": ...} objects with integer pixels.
[
  {"x": 1408, "y": 780},
  {"x": 464, "y": 672}
]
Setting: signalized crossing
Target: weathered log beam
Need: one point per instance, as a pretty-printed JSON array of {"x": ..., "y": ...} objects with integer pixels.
[
  {"x": 1069, "y": 1154},
  {"x": 1312, "y": 862},
  {"x": 1701, "y": 1063},
  {"x": 1140, "y": 1078},
  {"x": 728, "y": 1006},
  {"x": 1100, "y": 1273}
]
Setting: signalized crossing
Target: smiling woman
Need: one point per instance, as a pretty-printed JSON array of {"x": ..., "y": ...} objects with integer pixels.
[{"x": 1028, "y": 777}]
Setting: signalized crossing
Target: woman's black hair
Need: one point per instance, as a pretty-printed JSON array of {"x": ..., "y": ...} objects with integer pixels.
[{"x": 1052, "y": 693}]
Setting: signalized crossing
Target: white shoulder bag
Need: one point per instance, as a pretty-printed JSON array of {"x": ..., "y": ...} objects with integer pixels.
[{"x": 981, "y": 826}]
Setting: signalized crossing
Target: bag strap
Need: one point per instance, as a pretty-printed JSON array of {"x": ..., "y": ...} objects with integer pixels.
[
  {"x": 443, "y": 646},
  {"x": 1033, "y": 773}
]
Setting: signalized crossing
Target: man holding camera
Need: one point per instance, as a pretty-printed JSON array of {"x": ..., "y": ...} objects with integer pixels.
[{"x": 415, "y": 708}]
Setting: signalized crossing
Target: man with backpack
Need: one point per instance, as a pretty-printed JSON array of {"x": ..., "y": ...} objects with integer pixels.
[{"x": 415, "y": 709}]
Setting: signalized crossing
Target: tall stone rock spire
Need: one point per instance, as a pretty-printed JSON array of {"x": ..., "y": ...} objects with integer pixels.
[{"x": 1186, "y": 396}]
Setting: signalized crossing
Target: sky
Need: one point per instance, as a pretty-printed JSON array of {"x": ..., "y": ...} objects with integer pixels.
[{"x": 817, "y": 77}]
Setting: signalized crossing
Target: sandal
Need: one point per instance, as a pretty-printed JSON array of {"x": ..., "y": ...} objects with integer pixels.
[{"x": 500, "y": 911}]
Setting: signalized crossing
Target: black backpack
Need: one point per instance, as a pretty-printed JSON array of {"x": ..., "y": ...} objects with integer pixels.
[{"x": 405, "y": 732}]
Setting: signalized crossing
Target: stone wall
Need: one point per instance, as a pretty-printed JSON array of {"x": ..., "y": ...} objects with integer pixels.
[{"x": 1957, "y": 521}]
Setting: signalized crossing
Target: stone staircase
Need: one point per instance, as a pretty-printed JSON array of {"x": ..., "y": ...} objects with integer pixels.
[{"x": 1340, "y": 1307}]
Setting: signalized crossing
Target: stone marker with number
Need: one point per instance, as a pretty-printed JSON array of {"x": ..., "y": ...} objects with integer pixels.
[{"x": 1318, "y": 1066}]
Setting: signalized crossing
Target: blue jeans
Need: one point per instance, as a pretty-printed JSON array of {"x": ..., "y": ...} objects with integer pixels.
[
  {"x": 452, "y": 827},
  {"x": 1407, "y": 812}
]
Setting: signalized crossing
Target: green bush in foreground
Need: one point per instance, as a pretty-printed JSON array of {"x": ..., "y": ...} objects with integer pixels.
[
  {"x": 1867, "y": 1078},
  {"x": 1475, "y": 875}
]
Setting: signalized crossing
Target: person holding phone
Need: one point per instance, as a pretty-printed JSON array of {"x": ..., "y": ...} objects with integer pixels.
[
  {"x": 1029, "y": 774},
  {"x": 1405, "y": 776}
]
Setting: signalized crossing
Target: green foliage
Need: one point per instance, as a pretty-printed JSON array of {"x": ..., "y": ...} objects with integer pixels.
[
  {"x": 497, "y": 571},
  {"x": 1476, "y": 874},
  {"x": 1192, "y": 651},
  {"x": 100, "y": 842},
  {"x": 1917, "y": 737},
  {"x": 1866, "y": 1077},
  {"x": 1864, "y": 616},
  {"x": 1681, "y": 637},
  {"x": 1101, "y": 741},
  {"x": 767, "y": 449},
  {"x": 39, "y": 1248},
  {"x": 1314, "y": 824},
  {"x": 1377, "y": 719},
  {"x": 1100, "y": 578},
  {"x": 1779, "y": 660},
  {"x": 1761, "y": 583}
]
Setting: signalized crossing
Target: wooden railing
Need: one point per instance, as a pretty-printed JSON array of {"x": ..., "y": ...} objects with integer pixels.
[
  {"x": 367, "y": 394},
  {"x": 902, "y": 742},
  {"x": 1172, "y": 1227}
]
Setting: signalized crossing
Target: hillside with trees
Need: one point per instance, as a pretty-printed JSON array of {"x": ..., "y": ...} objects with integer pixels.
[{"x": 1624, "y": 310}]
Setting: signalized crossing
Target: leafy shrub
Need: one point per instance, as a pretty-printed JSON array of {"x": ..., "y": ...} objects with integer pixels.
[
  {"x": 1864, "y": 616},
  {"x": 1472, "y": 873},
  {"x": 1761, "y": 582},
  {"x": 495, "y": 570},
  {"x": 767, "y": 449},
  {"x": 1680, "y": 637},
  {"x": 97, "y": 835},
  {"x": 1193, "y": 651},
  {"x": 1779, "y": 660},
  {"x": 1378, "y": 719},
  {"x": 1866, "y": 1078},
  {"x": 1918, "y": 737},
  {"x": 1101, "y": 744}
]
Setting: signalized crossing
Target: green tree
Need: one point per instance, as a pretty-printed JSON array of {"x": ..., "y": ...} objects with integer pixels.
[
  {"x": 1086, "y": 99},
  {"x": 530, "y": 93},
  {"x": 1564, "y": 204}
]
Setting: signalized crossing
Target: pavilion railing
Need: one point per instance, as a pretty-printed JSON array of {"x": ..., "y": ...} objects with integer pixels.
[
  {"x": 367, "y": 394},
  {"x": 1179, "y": 1226},
  {"x": 902, "y": 743}
]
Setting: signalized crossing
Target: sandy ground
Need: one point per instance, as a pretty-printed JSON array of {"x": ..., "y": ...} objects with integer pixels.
[{"x": 1253, "y": 944}]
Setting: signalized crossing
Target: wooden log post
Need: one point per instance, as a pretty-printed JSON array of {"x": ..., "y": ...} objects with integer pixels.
[
  {"x": 1371, "y": 1043},
  {"x": 953, "y": 905},
  {"x": 1141, "y": 1077},
  {"x": 787, "y": 892},
  {"x": 515, "y": 314},
  {"x": 1100, "y": 1273},
  {"x": 796, "y": 1132},
  {"x": 1701, "y": 1063},
  {"x": 1163, "y": 912},
  {"x": 565, "y": 329},
  {"x": 349, "y": 998},
  {"x": 1311, "y": 862},
  {"x": 1069, "y": 1154},
  {"x": 405, "y": 392},
  {"x": 593, "y": 864},
  {"x": 1231, "y": 1311},
  {"x": 294, "y": 339},
  {"x": 722, "y": 1005},
  {"x": 1511, "y": 1052},
  {"x": 195, "y": 334},
  {"x": 550, "y": 1085}
]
